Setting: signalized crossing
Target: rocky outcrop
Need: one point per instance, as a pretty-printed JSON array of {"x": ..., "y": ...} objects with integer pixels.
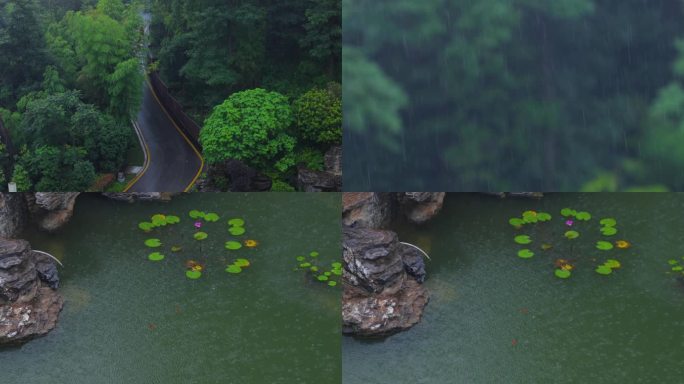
[
  {"x": 132, "y": 197},
  {"x": 420, "y": 207},
  {"x": 51, "y": 210},
  {"x": 233, "y": 176},
  {"x": 13, "y": 214},
  {"x": 380, "y": 297},
  {"x": 329, "y": 180},
  {"x": 367, "y": 209},
  {"x": 29, "y": 303}
]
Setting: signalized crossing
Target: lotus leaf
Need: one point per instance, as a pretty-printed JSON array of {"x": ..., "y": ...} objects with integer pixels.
[
  {"x": 176, "y": 248},
  {"x": 236, "y": 222},
  {"x": 172, "y": 219},
  {"x": 525, "y": 253},
  {"x": 233, "y": 245},
  {"x": 672, "y": 262},
  {"x": 155, "y": 256},
  {"x": 328, "y": 273},
  {"x": 159, "y": 220},
  {"x": 571, "y": 234},
  {"x": 153, "y": 243},
  {"x": 233, "y": 269},
  {"x": 677, "y": 268},
  {"x": 566, "y": 212},
  {"x": 543, "y": 216},
  {"x": 200, "y": 235},
  {"x": 211, "y": 217},
  {"x": 612, "y": 264},
  {"x": 332, "y": 283},
  {"x": 530, "y": 219},
  {"x": 562, "y": 273},
  {"x": 604, "y": 245},
  {"x": 146, "y": 226},
  {"x": 603, "y": 270},
  {"x": 242, "y": 263},
  {"x": 194, "y": 275},
  {"x": 608, "y": 222},
  {"x": 236, "y": 231},
  {"x": 314, "y": 269},
  {"x": 583, "y": 216},
  {"x": 322, "y": 278},
  {"x": 304, "y": 265},
  {"x": 337, "y": 272},
  {"x": 195, "y": 214},
  {"x": 609, "y": 231},
  {"x": 516, "y": 222},
  {"x": 301, "y": 258},
  {"x": 313, "y": 254},
  {"x": 336, "y": 265},
  {"x": 522, "y": 239}
]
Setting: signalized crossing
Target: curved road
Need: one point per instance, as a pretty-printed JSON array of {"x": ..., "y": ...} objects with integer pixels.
[{"x": 172, "y": 164}]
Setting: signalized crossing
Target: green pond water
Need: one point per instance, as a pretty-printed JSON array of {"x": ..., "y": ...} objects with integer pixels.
[
  {"x": 130, "y": 320},
  {"x": 496, "y": 318}
]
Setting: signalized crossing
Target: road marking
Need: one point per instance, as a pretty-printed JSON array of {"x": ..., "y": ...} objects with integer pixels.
[
  {"x": 199, "y": 171},
  {"x": 148, "y": 157}
]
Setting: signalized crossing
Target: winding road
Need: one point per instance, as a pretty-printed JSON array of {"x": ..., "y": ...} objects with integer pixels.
[{"x": 172, "y": 163}]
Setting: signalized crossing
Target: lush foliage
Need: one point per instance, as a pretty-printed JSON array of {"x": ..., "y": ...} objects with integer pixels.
[
  {"x": 70, "y": 80},
  {"x": 250, "y": 126},
  {"x": 513, "y": 95},
  {"x": 318, "y": 116}
]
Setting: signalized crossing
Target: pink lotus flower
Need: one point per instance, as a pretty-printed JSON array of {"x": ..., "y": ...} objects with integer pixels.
[
  {"x": 569, "y": 223},
  {"x": 198, "y": 224}
]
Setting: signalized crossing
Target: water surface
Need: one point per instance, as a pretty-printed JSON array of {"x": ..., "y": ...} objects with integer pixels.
[
  {"x": 130, "y": 320},
  {"x": 495, "y": 318}
]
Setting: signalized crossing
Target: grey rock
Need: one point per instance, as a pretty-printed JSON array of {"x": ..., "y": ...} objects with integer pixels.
[
  {"x": 13, "y": 214},
  {"x": 420, "y": 207},
  {"x": 51, "y": 210},
  {"x": 367, "y": 209}
]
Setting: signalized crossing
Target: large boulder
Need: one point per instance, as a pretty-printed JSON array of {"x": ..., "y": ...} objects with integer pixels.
[
  {"x": 420, "y": 207},
  {"x": 51, "y": 210},
  {"x": 367, "y": 209},
  {"x": 380, "y": 298},
  {"x": 29, "y": 305},
  {"x": 13, "y": 214},
  {"x": 328, "y": 180}
]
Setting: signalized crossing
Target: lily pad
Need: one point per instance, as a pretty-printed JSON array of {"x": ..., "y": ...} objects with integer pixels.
[
  {"x": 146, "y": 226},
  {"x": 195, "y": 214},
  {"x": 336, "y": 265},
  {"x": 530, "y": 217},
  {"x": 612, "y": 264},
  {"x": 608, "y": 222},
  {"x": 322, "y": 278},
  {"x": 609, "y": 231},
  {"x": 301, "y": 258},
  {"x": 583, "y": 216},
  {"x": 155, "y": 256},
  {"x": 305, "y": 265},
  {"x": 233, "y": 245},
  {"x": 562, "y": 273},
  {"x": 672, "y": 262},
  {"x": 516, "y": 222},
  {"x": 236, "y": 231},
  {"x": 566, "y": 212},
  {"x": 677, "y": 268},
  {"x": 571, "y": 234},
  {"x": 543, "y": 216},
  {"x": 233, "y": 269},
  {"x": 337, "y": 272},
  {"x": 172, "y": 219},
  {"x": 211, "y": 217},
  {"x": 604, "y": 245},
  {"x": 546, "y": 247},
  {"x": 200, "y": 235},
  {"x": 522, "y": 239},
  {"x": 313, "y": 254},
  {"x": 153, "y": 243},
  {"x": 159, "y": 220},
  {"x": 176, "y": 248},
  {"x": 314, "y": 269},
  {"x": 194, "y": 275},
  {"x": 603, "y": 270},
  {"x": 327, "y": 273},
  {"x": 236, "y": 222},
  {"x": 242, "y": 263},
  {"x": 525, "y": 253},
  {"x": 332, "y": 283}
]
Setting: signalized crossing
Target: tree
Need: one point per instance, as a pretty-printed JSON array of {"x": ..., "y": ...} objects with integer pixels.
[
  {"x": 46, "y": 121},
  {"x": 125, "y": 95},
  {"x": 318, "y": 116},
  {"x": 58, "y": 169},
  {"x": 250, "y": 126},
  {"x": 21, "y": 178},
  {"x": 323, "y": 36}
]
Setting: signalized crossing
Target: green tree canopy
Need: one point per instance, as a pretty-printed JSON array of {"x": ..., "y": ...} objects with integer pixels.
[{"x": 318, "y": 116}]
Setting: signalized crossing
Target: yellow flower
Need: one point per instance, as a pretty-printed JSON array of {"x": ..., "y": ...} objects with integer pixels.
[
  {"x": 251, "y": 243},
  {"x": 623, "y": 244}
]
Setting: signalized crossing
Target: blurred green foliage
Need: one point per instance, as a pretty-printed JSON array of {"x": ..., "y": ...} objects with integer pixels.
[{"x": 513, "y": 95}]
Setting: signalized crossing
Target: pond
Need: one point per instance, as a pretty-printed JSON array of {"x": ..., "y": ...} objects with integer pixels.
[
  {"x": 495, "y": 317},
  {"x": 128, "y": 319}
]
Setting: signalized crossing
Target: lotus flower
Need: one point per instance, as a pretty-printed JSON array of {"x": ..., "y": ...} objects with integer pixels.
[
  {"x": 569, "y": 223},
  {"x": 198, "y": 224}
]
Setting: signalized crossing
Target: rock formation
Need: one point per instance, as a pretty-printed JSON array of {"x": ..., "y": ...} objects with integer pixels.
[
  {"x": 13, "y": 214},
  {"x": 328, "y": 180},
  {"x": 51, "y": 210},
  {"x": 420, "y": 207},
  {"x": 377, "y": 210},
  {"x": 380, "y": 296},
  {"x": 29, "y": 302}
]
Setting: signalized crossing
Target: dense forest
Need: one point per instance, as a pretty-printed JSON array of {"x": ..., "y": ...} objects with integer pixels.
[
  {"x": 262, "y": 77},
  {"x": 514, "y": 95},
  {"x": 70, "y": 81}
]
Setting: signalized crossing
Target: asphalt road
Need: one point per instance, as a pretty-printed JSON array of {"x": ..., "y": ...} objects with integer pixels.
[{"x": 173, "y": 164}]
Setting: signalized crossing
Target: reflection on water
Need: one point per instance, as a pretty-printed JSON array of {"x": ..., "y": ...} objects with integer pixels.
[
  {"x": 129, "y": 320},
  {"x": 494, "y": 317}
]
